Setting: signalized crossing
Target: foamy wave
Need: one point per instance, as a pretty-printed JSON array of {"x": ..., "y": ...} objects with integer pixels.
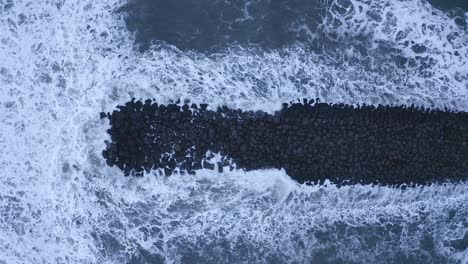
[{"x": 404, "y": 52}]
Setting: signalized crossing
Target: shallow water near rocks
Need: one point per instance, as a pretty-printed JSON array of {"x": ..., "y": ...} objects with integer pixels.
[{"x": 63, "y": 62}]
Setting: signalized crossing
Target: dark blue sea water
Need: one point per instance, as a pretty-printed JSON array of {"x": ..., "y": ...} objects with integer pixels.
[{"x": 63, "y": 62}]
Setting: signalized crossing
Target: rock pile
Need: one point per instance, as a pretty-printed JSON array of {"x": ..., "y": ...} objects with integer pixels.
[{"x": 312, "y": 141}]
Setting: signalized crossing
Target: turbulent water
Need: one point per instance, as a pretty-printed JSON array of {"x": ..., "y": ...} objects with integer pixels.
[{"x": 64, "y": 61}]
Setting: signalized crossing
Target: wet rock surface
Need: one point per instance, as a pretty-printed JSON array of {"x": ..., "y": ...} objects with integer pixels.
[{"x": 312, "y": 141}]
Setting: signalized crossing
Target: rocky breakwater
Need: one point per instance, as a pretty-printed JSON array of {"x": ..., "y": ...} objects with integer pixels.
[{"x": 312, "y": 141}]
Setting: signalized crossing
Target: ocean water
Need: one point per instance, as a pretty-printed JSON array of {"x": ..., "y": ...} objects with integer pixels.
[{"x": 63, "y": 62}]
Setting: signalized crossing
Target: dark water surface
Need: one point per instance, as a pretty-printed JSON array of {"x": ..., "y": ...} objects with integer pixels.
[
  {"x": 450, "y": 5},
  {"x": 456, "y": 9},
  {"x": 212, "y": 24}
]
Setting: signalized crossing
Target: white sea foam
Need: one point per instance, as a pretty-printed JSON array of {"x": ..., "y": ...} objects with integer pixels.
[{"x": 59, "y": 203}]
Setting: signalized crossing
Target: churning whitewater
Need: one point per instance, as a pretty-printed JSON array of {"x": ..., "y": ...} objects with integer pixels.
[{"x": 64, "y": 62}]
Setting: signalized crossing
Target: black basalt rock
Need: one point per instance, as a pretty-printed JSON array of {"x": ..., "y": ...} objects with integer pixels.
[{"x": 311, "y": 140}]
